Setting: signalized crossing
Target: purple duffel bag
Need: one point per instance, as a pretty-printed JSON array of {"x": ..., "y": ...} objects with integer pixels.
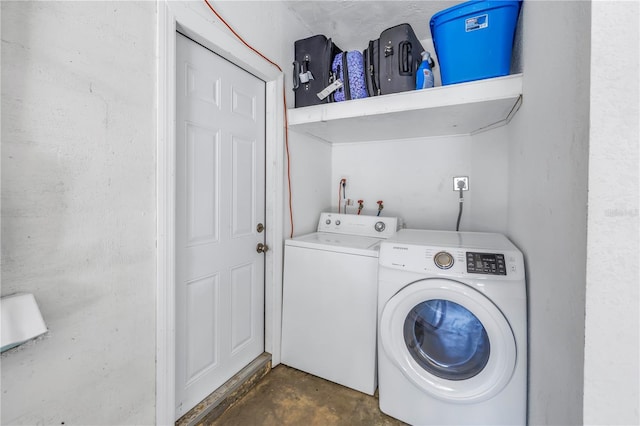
[{"x": 348, "y": 67}]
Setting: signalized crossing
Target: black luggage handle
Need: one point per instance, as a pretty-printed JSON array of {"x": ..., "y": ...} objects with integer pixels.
[
  {"x": 405, "y": 58},
  {"x": 296, "y": 75}
]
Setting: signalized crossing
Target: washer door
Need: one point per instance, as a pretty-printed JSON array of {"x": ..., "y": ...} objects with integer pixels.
[{"x": 449, "y": 339}]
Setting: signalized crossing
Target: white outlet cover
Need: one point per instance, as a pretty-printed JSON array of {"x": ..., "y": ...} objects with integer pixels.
[{"x": 465, "y": 179}]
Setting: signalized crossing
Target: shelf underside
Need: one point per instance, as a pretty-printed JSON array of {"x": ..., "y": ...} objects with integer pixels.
[{"x": 465, "y": 108}]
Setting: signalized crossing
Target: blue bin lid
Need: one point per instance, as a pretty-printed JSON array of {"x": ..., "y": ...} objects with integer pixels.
[{"x": 469, "y": 7}]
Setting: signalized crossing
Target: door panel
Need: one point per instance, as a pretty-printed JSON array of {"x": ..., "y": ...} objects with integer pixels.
[
  {"x": 241, "y": 311},
  {"x": 220, "y": 140},
  {"x": 243, "y": 104},
  {"x": 201, "y": 295},
  {"x": 244, "y": 158},
  {"x": 203, "y": 147}
]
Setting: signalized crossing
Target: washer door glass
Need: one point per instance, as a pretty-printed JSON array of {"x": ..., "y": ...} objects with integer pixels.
[{"x": 446, "y": 339}]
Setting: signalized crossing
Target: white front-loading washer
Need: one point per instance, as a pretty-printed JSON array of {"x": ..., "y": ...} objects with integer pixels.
[
  {"x": 329, "y": 304},
  {"x": 452, "y": 342}
]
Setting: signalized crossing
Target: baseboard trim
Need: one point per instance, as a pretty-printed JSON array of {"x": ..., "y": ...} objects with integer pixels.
[{"x": 228, "y": 394}]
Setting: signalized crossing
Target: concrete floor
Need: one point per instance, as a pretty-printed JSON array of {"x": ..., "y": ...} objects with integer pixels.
[{"x": 289, "y": 397}]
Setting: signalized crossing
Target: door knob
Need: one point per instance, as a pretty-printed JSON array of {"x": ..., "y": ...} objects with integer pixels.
[{"x": 262, "y": 248}]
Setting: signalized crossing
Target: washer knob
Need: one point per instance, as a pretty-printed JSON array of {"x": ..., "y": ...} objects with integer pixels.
[
  {"x": 328, "y": 221},
  {"x": 443, "y": 260},
  {"x": 338, "y": 222},
  {"x": 379, "y": 226}
]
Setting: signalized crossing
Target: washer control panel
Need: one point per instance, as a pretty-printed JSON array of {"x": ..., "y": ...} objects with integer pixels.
[
  {"x": 367, "y": 226},
  {"x": 486, "y": 263},
  {"x": 499, "y": 259}
]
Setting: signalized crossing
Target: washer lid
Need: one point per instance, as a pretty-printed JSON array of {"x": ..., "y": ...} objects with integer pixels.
[
  {"x": 343, "y": 243},
  {"x": 449, "y": 340}
]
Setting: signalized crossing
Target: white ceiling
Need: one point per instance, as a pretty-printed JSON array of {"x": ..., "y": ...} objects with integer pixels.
[{"x": 351, "y": 24}]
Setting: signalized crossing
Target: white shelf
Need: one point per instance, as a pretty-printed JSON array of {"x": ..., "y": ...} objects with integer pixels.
[{"x": 464, "y": 108}]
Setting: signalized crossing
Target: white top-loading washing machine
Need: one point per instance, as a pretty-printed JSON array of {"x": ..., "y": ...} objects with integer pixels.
[
  {"x": 330, "y": 299},
  {"x": 452, "y": 343}
]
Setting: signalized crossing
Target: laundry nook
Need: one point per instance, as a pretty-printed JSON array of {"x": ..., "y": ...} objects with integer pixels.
[{"x": 325, "y": 212}]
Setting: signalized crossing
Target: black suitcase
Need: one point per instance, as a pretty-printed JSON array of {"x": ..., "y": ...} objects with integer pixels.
[
  {"x": 371, "y": 65},
  {"x": 394, "y": 65},
  {"x": 312, "y": 69}
]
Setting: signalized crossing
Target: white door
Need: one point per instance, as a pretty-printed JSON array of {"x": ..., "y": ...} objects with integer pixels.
[{"x": 220, "y": 138}]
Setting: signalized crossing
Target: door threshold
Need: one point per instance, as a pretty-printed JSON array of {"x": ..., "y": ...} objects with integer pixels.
[{"x": 214, "y": 405}]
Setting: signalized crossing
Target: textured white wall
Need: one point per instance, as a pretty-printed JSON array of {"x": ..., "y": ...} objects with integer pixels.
[
  {"x": 78, "y": 209},
  {"x": 548, "y": 155},
  {"x": 310, "y": 176},
  {"x": 611, "y": 375},
  {"x": 414, "y": 178}
]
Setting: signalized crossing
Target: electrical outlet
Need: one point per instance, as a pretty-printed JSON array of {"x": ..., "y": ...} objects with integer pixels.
[{"x": 461, "y": 180}]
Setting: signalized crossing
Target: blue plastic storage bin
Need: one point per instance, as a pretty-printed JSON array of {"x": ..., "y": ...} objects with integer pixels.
[{"x": 474, "y": 40}]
